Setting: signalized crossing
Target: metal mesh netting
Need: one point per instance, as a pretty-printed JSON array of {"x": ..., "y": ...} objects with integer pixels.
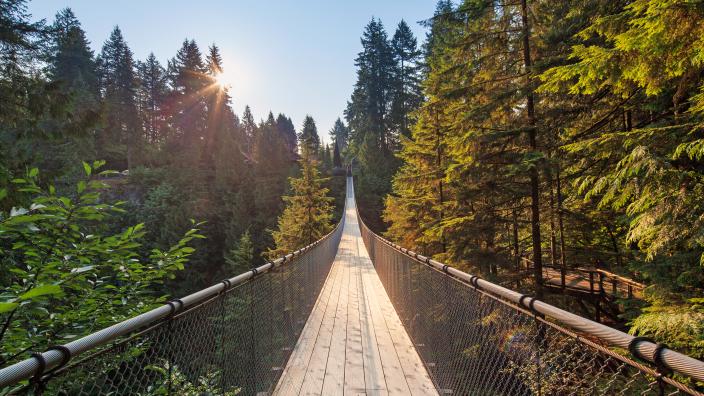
[
  {"x": 234, "y": 343},
  {"x": 473, "y": 343}
]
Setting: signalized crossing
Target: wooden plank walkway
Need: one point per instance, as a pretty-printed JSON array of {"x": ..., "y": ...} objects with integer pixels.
[{"x": 353, "y": 342}]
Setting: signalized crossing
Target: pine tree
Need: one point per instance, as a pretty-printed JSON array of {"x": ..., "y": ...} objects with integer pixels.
[
  {"x": 288, "y": 133},
  {"x": 372, "y": 134},
  {"x": 249, "y": 129},
  {"x": 152, "y": 93},
  {"x": 188, "y": 103},
  {"x": 406, "y": 95},
  {"x": 308, "y": 136},
  {"x": 71, "y": 62},
  {"x": 340, "y": 134},
  {"x": 241, "y": 256},
  {"x": 308, "y": 213},
  {"x": 120, "y": 139}
]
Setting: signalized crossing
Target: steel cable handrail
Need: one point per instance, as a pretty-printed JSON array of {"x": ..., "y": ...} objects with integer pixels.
[
  {"x": 57, "y": 357},
  {"x": 645, "y": 349}
]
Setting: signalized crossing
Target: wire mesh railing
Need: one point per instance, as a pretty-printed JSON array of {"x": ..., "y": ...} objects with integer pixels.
[
  {"x": 233, "y": 338},
  {"x": 478, "y": 338}
]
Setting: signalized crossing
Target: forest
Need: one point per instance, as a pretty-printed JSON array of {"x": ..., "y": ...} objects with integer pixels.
[
  {"x": 564, "y": 134},
  {"x": 123, "y": 181}
]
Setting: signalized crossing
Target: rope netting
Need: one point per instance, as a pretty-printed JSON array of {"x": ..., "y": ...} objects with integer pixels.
[
  {"x": 476, "y": 343},
  {"x": 234, "y": 341}
]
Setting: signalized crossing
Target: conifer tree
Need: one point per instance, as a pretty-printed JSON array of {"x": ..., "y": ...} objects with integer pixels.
[
  {"x": 241, "y": 256},
  {"x": 249, "y": 129},
  {"x": 406, "y": 95},
  {"x": 308, "y": 213},
  {"x": 308, "y": 136},
  {"x": 120, "y": 139},
  {"x": 152, "y": 93},
  {"x": 287, "y": 132},
  {"x": 340, "y": 134},
  {"x": 188, "y": 103}
]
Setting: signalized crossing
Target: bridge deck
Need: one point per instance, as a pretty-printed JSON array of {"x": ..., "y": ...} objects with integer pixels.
[{"x": 353, "y": 342}]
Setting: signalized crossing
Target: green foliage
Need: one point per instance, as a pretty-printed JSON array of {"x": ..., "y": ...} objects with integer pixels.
[
  {"x": 241, "y": 256},
  {"x": 65, "y": 275},
  {"x": 308, "y": 213}
]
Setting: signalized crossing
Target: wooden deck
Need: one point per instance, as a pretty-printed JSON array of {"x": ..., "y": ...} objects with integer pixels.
[{"x": 353, "y": 342}]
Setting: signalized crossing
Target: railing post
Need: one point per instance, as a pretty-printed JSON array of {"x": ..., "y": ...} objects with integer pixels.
[
  {"x": 562, "y": 277},
  {"x": 601, "y": 282},
  {"x": 614, "y": 287},
  {"x": 630, "y": 291},
  {"x": 591, "y": 282}
]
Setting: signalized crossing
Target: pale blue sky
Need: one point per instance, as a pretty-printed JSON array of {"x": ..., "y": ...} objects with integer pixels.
[{"x": 295, "y": 57}]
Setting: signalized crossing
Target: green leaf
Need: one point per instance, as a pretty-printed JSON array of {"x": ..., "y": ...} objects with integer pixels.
[
  {"x": 87, "y": 168},
  {"x": 33, "y": 172},
  {"x": 42, "y": 290},
  {"x": 7, "y": 307},
  {"x": 3, "y": 193},
  {"x": 81, "y": 186}
]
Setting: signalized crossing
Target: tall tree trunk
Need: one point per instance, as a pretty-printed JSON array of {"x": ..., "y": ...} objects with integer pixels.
[
  {"x": 553, "y": 239},
  {"x": 560, "y": 224},
  {"x": 532, "y": 138}
]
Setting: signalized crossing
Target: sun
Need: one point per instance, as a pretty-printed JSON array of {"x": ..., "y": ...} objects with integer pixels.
[{"x": 223, "y": 80}]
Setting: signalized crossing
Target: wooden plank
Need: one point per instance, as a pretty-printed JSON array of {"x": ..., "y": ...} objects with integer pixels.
[
  {"x": 373, "y": 370},
  {"x": 391, "y": 366},
  {"x": 292, "y": 376},
  {"x": 334, "y": 381},
  {"x": 354, "y": 357},
  {"x": 315, "y": 374}
]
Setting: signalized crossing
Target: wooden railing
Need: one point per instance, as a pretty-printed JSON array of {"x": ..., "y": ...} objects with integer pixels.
[{"x": 588, "y": 280}]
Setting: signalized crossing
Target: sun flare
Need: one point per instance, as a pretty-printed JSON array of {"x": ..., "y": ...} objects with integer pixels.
[{"x": 223, "y": 80}]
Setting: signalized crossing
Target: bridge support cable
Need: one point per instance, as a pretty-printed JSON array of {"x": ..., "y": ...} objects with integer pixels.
[
  {"x": 234, "y": 337},
  {"x": 476, "y": 337}
]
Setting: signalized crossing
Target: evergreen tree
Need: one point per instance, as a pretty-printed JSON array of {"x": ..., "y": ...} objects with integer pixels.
[
  {"x": 188, "y": 103},
  {"x": 340, "y": 134},
  {"x": 308, "y": 213},
  {"x": 249, "y": 129},
  {"x": 241, "y": 257},
  {"x": 120, "y": 138},
  {"x": 372, "y": 134},
  {"x": 152, "y": 94},
  {"x": 308, "y": 136},
  {"x": 288, "y": 133},
  {"x": 406, "y": 95},
  {"x": 71, "y": 62}
]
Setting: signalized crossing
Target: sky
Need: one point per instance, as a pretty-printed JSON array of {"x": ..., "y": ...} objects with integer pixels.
[{"x": 292, "y": 57}]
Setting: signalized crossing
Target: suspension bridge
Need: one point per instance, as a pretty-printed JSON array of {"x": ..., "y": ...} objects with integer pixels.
[{"x": 355, "y": 314}]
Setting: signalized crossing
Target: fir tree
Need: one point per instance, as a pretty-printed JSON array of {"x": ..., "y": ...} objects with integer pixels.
[
  {"x": 308, "y": 136},
  {"x": 120, "y": 139},
  {"x": 340, "y": 134},
  {"x": 152, "y": 93},
  {"x": 241, "y": 256},
  {"x": 287, "y": 132},
  {"x": 308, "y": 213},
  {"x": 406, "y": 95},
  {"x": 188, "y": 102},
  {"x": 249, "y": 129}
]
